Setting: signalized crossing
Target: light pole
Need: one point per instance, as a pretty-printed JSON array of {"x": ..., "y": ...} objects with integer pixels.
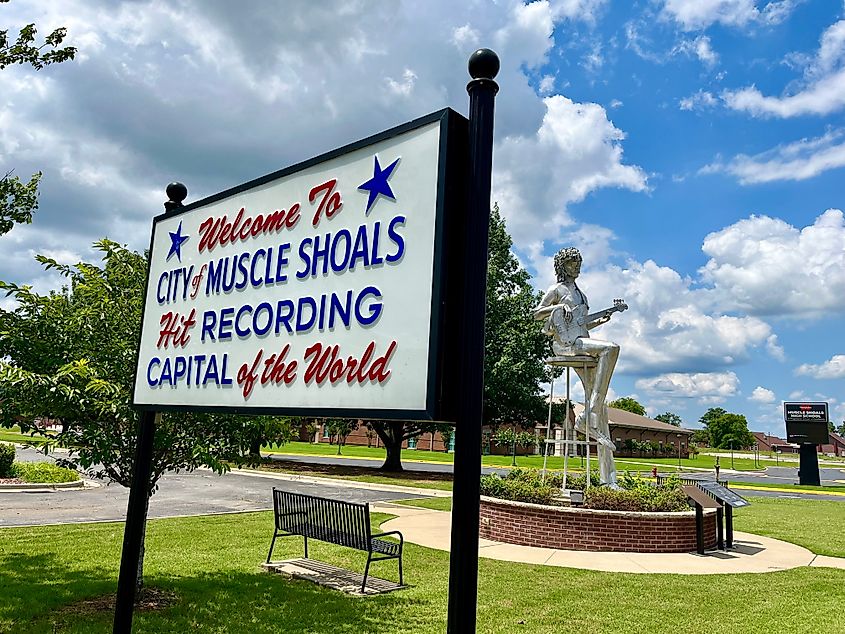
[
  {"x": 679, "y": 452},
  {"x": 732, "y": 453}
]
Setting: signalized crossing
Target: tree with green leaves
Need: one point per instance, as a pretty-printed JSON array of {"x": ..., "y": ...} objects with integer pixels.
[
  {"x": 339, "y": 429},
  {"x": 726, "y": 430},
  {"x": 514, "y": 350},
  {"x": 70, "y": 356},
  {"x": 629, "y": 404},
  {"x": 701, "y": 437},
  {"x": 19, "y": 199},
  {"x": 514, "y": 345},
  {"x": 841, "y": 429},
  {"x": 669, "y": 417}
]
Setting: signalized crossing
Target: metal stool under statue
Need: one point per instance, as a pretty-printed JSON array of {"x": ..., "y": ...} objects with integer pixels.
[{"x": 579, "y": 362}]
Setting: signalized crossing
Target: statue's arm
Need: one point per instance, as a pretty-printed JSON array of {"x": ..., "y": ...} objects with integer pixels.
[{"x": 547, "y": 304}]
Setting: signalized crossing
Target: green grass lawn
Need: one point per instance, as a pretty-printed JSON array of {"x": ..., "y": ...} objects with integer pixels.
[
  {"x": 645, "y": 463},
  {"x": 830, "y": 488},
  {"x": 13, "y": 434},
  {"x": 814, "y": 524},
  {"x": 211, "y": 564}
]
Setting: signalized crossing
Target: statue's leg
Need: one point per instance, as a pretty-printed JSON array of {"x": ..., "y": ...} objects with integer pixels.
[
  {"x": 598, "y": 415},
  {"x": 606, "y": 353},
  {"x": 588, "y": 381},
  {"x": 607, "y": 465}
]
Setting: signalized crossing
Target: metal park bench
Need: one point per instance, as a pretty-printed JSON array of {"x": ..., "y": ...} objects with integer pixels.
[{"x": 333, "y": 521}]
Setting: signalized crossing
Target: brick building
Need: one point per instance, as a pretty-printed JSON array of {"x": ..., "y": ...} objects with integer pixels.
[
  {"x": 835, "y": 445},
  {"x": 767, "y": 442},
  {"x": 631, "y": 431}
]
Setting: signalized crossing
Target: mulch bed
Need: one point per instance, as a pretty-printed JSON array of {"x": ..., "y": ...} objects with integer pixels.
[
  {"x": 342, "y": 470},
  {"x": 149, "y": 600},
  {"x": 11, "y": 481}
]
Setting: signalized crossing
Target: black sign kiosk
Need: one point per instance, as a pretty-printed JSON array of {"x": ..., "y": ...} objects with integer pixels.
[{"x": 806, "y": 424}]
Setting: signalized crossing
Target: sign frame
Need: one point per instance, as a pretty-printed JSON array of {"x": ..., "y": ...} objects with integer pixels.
[
  {"x": 806, "y": 430},
  {"x": 451, "y": 195}
]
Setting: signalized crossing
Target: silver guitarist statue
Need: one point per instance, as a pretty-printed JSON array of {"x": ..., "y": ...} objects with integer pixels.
[{"x": 567, "y": 319}]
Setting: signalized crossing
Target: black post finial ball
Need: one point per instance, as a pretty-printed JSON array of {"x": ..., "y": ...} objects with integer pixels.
[
  {"x": 483, "y": 64},
  {"x": 176, "y": 192}
]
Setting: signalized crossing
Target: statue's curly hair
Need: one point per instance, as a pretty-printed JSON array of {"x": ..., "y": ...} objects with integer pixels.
[{"x": 564, "y": 255}]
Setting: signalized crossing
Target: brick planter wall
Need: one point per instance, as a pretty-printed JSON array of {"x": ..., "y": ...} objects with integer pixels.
[{"x": 586, "y": 529}]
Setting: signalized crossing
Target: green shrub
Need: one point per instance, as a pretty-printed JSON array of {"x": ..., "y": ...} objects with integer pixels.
[
  {"x": 41, "y": 472},
  {"x": 649, "y": 499},
  {"x": 7, "y": 457},
  {"x": 522, "y": 488},
  {"x": 579, "y": 482}
]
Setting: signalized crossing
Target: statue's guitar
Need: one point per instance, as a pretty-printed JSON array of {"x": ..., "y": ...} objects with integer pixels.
[{"x": 569, "y": 331}]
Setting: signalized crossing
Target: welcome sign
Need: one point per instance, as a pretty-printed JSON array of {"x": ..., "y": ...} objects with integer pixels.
[{"x": 317, "y": 289}]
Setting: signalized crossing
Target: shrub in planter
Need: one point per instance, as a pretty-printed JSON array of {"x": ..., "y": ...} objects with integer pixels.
[
  {"x": 648, "y": 499},
  {"x": 520, "y": 488},
  {"x": 40, "y": 472},
  {"x": 7, "y": 457},
  {"x": 579, "y": 482}
]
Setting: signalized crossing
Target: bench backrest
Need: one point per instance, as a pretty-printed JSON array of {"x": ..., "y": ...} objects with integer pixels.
[{"x": 335, "y": 521}]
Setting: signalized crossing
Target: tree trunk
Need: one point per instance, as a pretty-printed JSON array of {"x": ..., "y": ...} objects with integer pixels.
[
  {"x": 392, "y": 435},
  {"x": 393, "y": 461},
  {"x": 255, "y": 448}
]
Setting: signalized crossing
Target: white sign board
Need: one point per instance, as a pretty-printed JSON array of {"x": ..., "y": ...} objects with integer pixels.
[{"x": 311, "y": 290}]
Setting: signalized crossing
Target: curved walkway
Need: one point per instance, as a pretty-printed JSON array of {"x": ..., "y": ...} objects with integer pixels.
[{"x": 752, "y": 553}]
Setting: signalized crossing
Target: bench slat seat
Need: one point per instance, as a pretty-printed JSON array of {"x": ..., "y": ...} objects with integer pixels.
[{"x": 334, "y": 521}]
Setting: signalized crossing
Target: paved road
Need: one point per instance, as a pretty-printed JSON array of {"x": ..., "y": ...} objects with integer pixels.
[{"x": 197, "y": 493}]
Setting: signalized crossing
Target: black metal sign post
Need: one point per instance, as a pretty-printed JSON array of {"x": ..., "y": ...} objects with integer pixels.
[
  {"x": 463, "y": 564},
  {"x": 139, "y": 492},
  {"x": 133, "y": 532}
]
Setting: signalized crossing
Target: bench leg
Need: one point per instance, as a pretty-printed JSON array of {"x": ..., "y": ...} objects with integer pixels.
[
  {"x": 366, "y": 571},
  {"x": 272, "y": 543},
  {"x": 401, "y": 582}
]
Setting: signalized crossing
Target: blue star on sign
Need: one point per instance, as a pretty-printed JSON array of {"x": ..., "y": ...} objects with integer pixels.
[
  {"x": 378, "y": 184},
  {"x": 176, "y": 240}
]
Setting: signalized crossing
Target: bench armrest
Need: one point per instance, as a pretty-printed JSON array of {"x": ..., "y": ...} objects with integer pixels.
[{"x": 388, "y": 534}]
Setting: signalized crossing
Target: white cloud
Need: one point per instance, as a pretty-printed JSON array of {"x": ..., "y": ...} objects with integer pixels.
[
  {"x": 795, "y": 161},
  {"x": 547, "y": 85},
  {"x": 707, "y": 387},
  {"x": 765, "y": 266},
  {"x": 577, "y": 150},
  {"x": 465, "y": 37},
  {"x": 692, "y": 15},
  {"x": 822, "y": 91},
  {"x": 229, "y": 99},
  {"x": 833, "y": 368},
  {"x": 583, "y": 10},
  {"x": 701, "y": 48},
  {"x": 762, "y": 395},
  {"x": 671, "y": 326},
  {"x": 699, "y": 101}
]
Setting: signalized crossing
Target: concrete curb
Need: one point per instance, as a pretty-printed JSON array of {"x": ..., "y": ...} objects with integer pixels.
[
  {"x": 42, "y": 486},
  {"x": 352, "y": 484}
]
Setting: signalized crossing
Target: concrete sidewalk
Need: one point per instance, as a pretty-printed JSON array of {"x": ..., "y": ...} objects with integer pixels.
[{"x": 751, "y": 554}]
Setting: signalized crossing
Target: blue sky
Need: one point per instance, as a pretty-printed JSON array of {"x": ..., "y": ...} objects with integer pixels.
[{"x": 693, "y": 150}]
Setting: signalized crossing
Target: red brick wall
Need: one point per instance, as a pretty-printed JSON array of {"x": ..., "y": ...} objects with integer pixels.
[{"x": 586, "y": 529}]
